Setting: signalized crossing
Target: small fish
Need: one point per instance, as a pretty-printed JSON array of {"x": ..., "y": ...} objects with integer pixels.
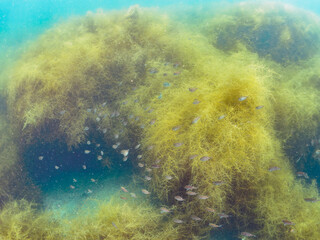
[
  {"x": 86, "y": 128},
  {"x": 142, "y": 126},
  {"x": 93, "y": 180},
  {"x": 214, "y": 225},
  {"x": 190, "y": 193},
  {"x": 113, "y": 224},
  {"x": 133, "y": 195},
  {"x": 84, "y": 167},
  {"x": 147, "y": 178},
  {"x": 218, "y": 183},
  {"x": 259, "y": 107},
  {"x": 115, "y": 146},
  {"x": 157, "y": 161},
  {"x": 179, "y": 199},
  {"x": 139, "y": 156},
  {"x": 176, "y": 73},
  {"x": 144, "y": 191},
  {"x": 148, "y": 169},
  {"x": 123, "y": 198},
  {"x": 246, "y": 234},
  {"x": 273, "y": 169},
  {"x": 155, "y": 166},
  {"x": 72, "y": 187},
  {"x": 164, "y": 210},
  {"x": 104, "y": 130},
  {"x": 303, "y": 174},
  {"x": 153, "y": 70},
  {"x": 205, "y": 158},
  {"x": 286, "y": 222},
  {"x": 196, "y": 101},
  {"x": 203, "y": 197},
  {"x": 98, "y": 119},
  {"x": 89, "y": 191},
  {"x": 242, "y": 98},
  {"x": 153, "y": 121},
  {"x": 56, "y": 167},
  {"x": 62, "y": 112},
  {"x": 168, "y": 177},
  {"x": 178, "y": 144},
  {"x": 150, "y": 147},
  {"x": 317, "y": 152},
  {"x": 124, "y": 189},
  {"x": 195, "y": 218},
  {"x": 166, "y": 84},
  {"x": 223, "y": 215},
  {"x": 40, "y": 158},
  {"x": 137, "y": 146},
  {"x": 74, "y": 180},
  {"x": 189, "y": 187},
  {"x": 141, "y": 165},
  {"x": 193, "y": 156},
  {"x": 195, "y": 120},
  {"x": 125, "y": 152},
  {"x": 116, "y": 136},
  {"x": 313, "y": 200},
  {"x": 104, "y": 104},
  {"x": 221, "y": 117},
  {"x": 177, "y": 221},
  {"x": 88, "y": 142},
  {"x": 193, "y": 89},
  {"x": 98, "y": 145},
  {"x": 176, "y": 128},
  {"x": 89, "y": 110},
  {"x": 87, "y": 151},
  {"x": 101, "y": 152},
  {"x": 210, "y": 210}
]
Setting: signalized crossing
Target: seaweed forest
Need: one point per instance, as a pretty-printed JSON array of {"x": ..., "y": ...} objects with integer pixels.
[{"x": 158, "y": 125}]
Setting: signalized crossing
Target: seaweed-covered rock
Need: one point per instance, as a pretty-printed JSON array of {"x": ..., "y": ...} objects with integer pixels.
[{"x": 277, "y": 31}]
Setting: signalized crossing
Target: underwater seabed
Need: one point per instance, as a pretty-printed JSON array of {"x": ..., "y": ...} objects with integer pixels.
[{"x": 145, "y": 124}]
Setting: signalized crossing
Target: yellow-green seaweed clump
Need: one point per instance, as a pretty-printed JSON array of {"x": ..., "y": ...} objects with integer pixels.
[
  {"x": 236, "y": 130},
  {"x": 20, "y": 220},
  {"x": 114, "y": 220},
  {"x": 78, "y": 66}
]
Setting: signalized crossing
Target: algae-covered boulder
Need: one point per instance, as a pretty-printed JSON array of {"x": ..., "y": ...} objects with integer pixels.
[{"x": 277, "y": 31}]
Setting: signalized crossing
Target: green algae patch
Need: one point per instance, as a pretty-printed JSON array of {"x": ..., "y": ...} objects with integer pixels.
[{"x": 20, "y": 220}]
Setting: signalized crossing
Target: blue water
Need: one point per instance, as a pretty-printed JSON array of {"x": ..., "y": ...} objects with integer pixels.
[{"x": 21, "y": 20}]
